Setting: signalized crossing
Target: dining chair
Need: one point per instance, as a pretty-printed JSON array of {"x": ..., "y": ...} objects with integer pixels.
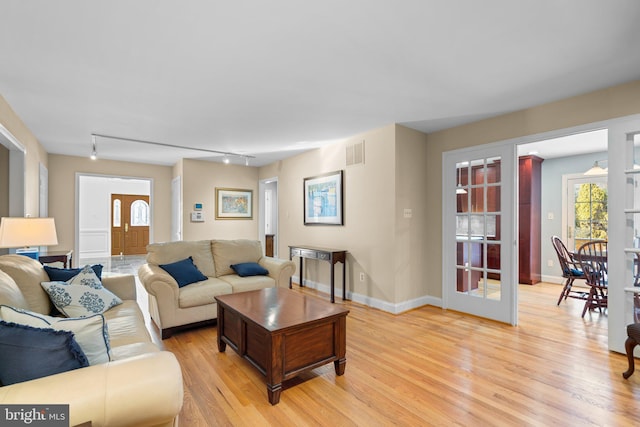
[
  {"x": 571, "y": 270},
  {"x": 593, "y": 261}
]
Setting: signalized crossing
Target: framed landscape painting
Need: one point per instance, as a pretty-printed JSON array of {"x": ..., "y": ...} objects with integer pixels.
[
  {"x": 234, "y": 203},
  {"x": 323, "y": 199}
]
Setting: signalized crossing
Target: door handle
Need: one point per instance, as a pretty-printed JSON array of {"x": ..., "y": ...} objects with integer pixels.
[{"x": 126, "y": 227}]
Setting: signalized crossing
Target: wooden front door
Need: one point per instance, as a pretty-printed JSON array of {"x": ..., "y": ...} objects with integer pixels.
[{"x": 129, "y": 224}]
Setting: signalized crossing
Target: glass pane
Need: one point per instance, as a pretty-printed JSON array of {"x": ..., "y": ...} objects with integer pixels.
[
  {"x": 477, "y": 199},
  {"x": 476, "y": 225},
  {"x": 493, "y": 170},
  {"x": 139, "y": 213},
  {"x": 116, "y": 213},
  {"x": 493, "y": 289},
  {"x": 477, "y": 172},
  {"x": 493, "y": 199}
]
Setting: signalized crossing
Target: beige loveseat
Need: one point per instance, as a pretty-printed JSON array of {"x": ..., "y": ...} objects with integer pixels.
[
  {"x": 173, "y": 308},
  {"x": 140, "y": 386}
]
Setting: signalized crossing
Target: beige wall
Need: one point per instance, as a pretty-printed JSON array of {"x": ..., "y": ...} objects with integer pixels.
[
  {"x": 413, "y": 244},
  {"x": 62, "y": 192},
  {"x": 199, "y": 181},
  {"x": 35, "y": 155},
  {"x": 617, "y": 101},
  {"x": 4, "y": 181},
  {"x": 381, "y": 242}
]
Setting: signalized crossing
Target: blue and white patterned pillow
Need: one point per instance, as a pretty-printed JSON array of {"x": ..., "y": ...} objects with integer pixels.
[
  {"x": 91, "y": 333},
  {"x": 81, "y": 296}
]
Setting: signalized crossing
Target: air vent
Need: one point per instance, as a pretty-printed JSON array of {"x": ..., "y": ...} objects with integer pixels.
[{"x": 355, "y": 154}]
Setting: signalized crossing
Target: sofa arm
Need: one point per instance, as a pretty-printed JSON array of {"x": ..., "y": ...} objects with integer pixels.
[
  {"x": 280, "y": 270},
  {"x": 159, "y": 283},
  {"x": 123, "y": 285},
  {"x": 142, "y": 390}
]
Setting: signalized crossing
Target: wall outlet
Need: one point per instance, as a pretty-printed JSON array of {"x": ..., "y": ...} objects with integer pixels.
[
  {"x": 550, "y": 263},
  {"x": 362, "y": 277}
]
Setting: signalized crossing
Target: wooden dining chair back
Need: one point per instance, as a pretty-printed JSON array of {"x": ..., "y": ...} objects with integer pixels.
[
  {"x": 571, "y": 270},
  {"x": 593, "y": 260}
]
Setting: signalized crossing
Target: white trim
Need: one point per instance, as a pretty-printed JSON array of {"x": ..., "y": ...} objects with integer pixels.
[{"x": 376, "y": 303}]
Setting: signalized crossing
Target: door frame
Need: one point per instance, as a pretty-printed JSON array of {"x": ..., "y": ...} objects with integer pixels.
[
  {"x": 76, "y": 238},
  {"x": 262, "y": 214},
  {"x": 616, "y": 153}
]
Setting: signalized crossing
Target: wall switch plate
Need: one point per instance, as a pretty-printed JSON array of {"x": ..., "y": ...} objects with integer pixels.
[
  {"x": 408, "y": 213},
  {"x": 362, "y": 277}
]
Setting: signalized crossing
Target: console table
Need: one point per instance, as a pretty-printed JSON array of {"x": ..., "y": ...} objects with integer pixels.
[
  {"x": 65, "y": 257},
  {"x": 330, "y": 255}
]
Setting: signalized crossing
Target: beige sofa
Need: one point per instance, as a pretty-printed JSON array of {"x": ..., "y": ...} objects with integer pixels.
[
  {"x": 140, "y": 386},
  {"x": 173, "y": 308}
]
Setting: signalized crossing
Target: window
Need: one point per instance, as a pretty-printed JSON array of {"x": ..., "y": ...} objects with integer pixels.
[
  {"x": 139, "y": 213},
  {"x": 116, "y": 212}
]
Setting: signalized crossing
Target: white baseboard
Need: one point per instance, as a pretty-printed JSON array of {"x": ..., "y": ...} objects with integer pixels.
[{"x": 379, "y": 304}]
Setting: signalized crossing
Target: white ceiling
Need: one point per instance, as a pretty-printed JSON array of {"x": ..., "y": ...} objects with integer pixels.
[{"x": 272, "y": 79}]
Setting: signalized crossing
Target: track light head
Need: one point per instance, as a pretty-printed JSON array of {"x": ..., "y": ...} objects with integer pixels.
[{"x": 94, "y": 152}]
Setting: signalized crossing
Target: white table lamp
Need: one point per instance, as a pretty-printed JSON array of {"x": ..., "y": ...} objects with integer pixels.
[{"x": 28, "y": 234}]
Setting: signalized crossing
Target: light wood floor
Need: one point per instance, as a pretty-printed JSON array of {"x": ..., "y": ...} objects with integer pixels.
[{"x": 429, "y": 367}]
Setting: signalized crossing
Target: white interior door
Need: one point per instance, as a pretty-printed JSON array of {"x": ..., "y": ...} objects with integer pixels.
[{"x": 479, "y": 239}]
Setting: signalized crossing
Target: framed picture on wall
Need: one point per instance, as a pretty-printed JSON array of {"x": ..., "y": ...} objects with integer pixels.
[
  {"x": 234, "y": 203},
  {"x": 323, "y": 199}
]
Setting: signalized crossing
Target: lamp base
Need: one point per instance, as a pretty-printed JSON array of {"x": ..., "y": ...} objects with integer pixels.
[{"x": 30, "y": 252}]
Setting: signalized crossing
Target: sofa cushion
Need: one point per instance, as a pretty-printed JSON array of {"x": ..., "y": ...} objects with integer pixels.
[
  {"x": 90, "y": 333},
  {"x": 83, "y": 295},
  {"x": 126, "y": 325},
  {"x": 247, "y": 269},
  {"x": 203, "y": 293},
  {"x": 63, "y": 274},
  {"x": 184, "y": 272},
  {"x": 168, "y": 252},
  {"x": 244, "y": 284},
  {"x": 28, "y": 274},
  {"x": 229, "y": 252},
  {"x": 10, "y": 293},
  {"x": 27, "y": 353}
]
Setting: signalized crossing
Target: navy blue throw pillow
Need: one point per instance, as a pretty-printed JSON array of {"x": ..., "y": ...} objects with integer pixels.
[
  {"x": 184, "y": 272},
  {"x": 249, "y": 269},
  {"x": 27, "y": 353},
  {"x": 64, "y": 274}
]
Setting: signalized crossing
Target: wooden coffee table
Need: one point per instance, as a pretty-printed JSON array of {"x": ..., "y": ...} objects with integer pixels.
[{"x": 282, "y": 333}]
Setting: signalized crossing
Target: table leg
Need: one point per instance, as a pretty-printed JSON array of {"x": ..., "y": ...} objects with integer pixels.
[
  {"x": 222, "y": 346},
  {"x": 333, "y": 290},
  {"x": 273, "y": 391},
  {"x": 301, "y": 274},
  {"x": 344, "y": 276}
]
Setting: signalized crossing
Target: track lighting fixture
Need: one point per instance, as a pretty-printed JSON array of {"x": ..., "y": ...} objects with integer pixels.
[
  {"x": 226, "y": 159},
  {"x": 94, "y": 152}
]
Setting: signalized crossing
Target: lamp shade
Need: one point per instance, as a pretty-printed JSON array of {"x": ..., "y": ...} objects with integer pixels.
[
  {"x": 16, "y": 232},
  {"x": 596, "y": 169}
]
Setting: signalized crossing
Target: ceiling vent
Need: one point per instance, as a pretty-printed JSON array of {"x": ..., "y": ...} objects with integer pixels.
[{"x": 355, "y": 154}]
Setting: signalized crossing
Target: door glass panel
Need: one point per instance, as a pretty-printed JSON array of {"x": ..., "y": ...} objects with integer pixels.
[
  {"x": 139, "y": 213},
  {"x": 477, "y": 228},
  {"x": 116, "y": 212}
]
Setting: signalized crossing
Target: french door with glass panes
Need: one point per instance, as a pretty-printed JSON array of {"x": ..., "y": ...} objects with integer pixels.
[{"x": 480, "y": 260}]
